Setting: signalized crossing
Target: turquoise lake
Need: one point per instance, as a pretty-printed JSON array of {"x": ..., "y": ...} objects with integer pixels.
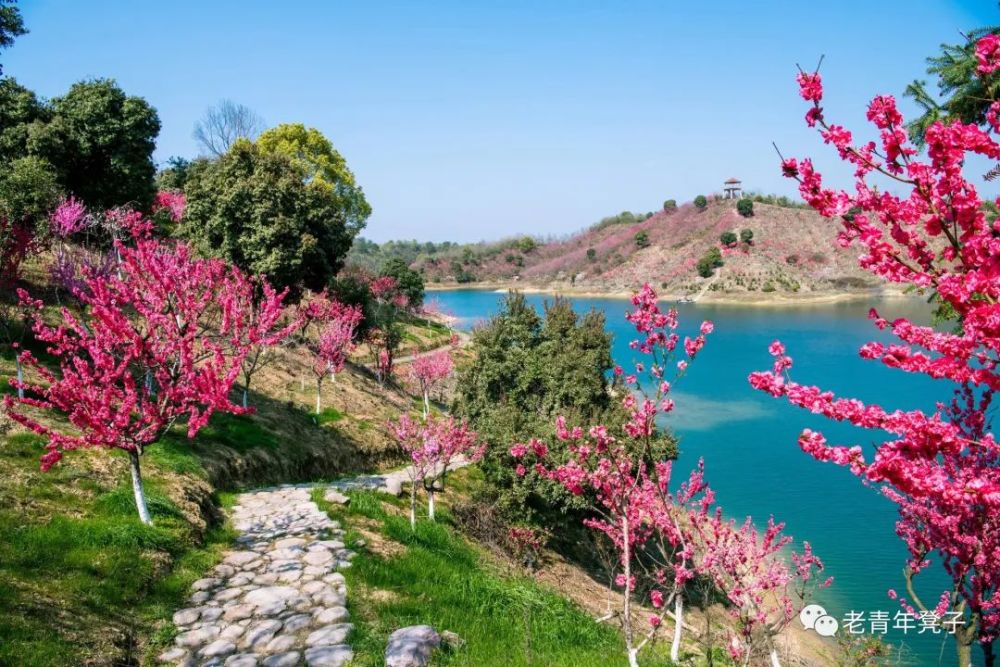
[{"x": 748, "y": 439}]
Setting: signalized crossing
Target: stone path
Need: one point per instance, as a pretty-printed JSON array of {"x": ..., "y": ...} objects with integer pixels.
[
  {"x": 275, "y": 601},
  {"x": 390, "y": 482}
]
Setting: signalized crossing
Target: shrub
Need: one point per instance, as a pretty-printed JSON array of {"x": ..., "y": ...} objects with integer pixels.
[
  {"x": 701, "y": 202},
  {"x": 527, "y": 244},
  {"x": 792, "y": 259},
  {"x": 727, "y": 239},
  {"x": 745, "y": 207},
  {"x": 709, "y": 262},
  {"x": 670, "y": 205},
  {"x": 746, "y": 236},
  {"x": 641, "y": 240},
  {"x": 591, "y": 254}
]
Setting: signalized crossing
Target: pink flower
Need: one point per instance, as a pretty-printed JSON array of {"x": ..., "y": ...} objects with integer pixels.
[{"x": 988, "y": 54}]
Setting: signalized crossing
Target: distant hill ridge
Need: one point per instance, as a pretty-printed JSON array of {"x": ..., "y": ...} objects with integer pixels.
[{"x": 793, "y": 251}]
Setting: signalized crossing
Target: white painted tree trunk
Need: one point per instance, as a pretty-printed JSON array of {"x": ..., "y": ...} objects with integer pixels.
[
  {"x": 430, "y": 503},
  {"x": 20, "y": 377},
  {"x": 427, "y": 405},
  {"x": 333, "y": 376},
  {"x": 633, "y": 657},
  {"x": 319, "y": 387},
  {"x": 140, "y": 494},
  {"x": 246, "y": 398},
  {"x": 774, "y": 658},
  {"x": 413, "y": 505},
  {"x": 675, "y": 646}
]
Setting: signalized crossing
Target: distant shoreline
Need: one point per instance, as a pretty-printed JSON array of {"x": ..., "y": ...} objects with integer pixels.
[{"x": 749, "y": 299}]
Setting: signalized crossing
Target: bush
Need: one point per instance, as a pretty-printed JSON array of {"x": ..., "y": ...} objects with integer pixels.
[
  {"x": 746, "y": 236},
  {"x": 591, "y": 254},
  {"x": 527, "y": 244},
  {"x": 701, "y": 202},
  {"x": 641, "y": 240},
  {"x": 727, "y": 239},
  {"x": 410, "y": 282},
  {"x": 626, "y": 218},
  {"x": 792, "y": 259},
  {"x": 745, "y": 207},
  {"x": 711, "y": 260},
  {"x": 670, "y": 205}
]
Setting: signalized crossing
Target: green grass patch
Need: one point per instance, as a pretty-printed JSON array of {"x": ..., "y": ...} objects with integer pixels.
[
  {"x": 329, "y": 416},
  {"x": 442, "y": 579}
]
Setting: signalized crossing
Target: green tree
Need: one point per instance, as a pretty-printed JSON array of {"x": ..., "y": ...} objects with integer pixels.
[
  {"x": 591, "y": 254},
  {"x": 670, "y": 205},
  {"x": 101, "y": 143},
  {"x": 527, "y": 370},
  {"x": 745, "y": 207},
  {"x": 174, "y": 175},
  {"x": 711, "y": 260},
  {"x": 256, "y": 210},
  {"x": 727, "y": 238},
  {"x": 626, "y": 218},
  {"x": 20, "y": 112},
  {"x": 746, "y": 235},
  {"x": 322, "y": 165},
  {"x": 701, "y": 202},
  {"x": 11, "y": 24},
  {"x": 962, "y": 94},
  {"x": 409, "y": 282},
  {"x": 526, "y": 244},
  {"x": 641, "y": 240},
  {"x": 28, "y": 190}
]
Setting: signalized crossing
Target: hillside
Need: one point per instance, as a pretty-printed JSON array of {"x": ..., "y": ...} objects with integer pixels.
[{"x": 793, "y": 252}]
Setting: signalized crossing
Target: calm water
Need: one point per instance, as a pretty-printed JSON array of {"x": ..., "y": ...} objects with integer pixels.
[{"x": 748, "y": 440}]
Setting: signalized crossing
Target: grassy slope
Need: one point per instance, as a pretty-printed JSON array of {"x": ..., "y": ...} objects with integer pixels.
[
  {"x": 436, "y": 576},
  {"x": 83, "y": 582}
]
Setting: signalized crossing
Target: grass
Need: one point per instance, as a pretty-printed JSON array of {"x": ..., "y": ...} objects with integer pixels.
[
  {"x": 439, "y": 578},
  {"x": 82, "y": 580}
]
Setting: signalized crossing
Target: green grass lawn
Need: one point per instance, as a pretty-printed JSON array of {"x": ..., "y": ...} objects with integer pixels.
[
  {"x": 435, "y": 576},
  {"x": 82, "y": 580}
]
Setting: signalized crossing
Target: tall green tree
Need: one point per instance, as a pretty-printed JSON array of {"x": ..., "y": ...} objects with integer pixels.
[
  {"x": 11, "y": 24},
  {"x": 322, "y": 165},
  {"x": 100, "y": 142},
  {"x": 528, "y": 369},
  {"x": 257, "y": 210},
  {"x": 962, "y": 95}
]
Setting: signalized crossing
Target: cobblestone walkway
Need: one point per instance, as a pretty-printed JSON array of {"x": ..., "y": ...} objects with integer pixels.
[{"x": 277, "y": 600}]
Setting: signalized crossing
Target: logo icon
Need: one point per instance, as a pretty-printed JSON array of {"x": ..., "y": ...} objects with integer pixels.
[{"x": 814, "y": 617}]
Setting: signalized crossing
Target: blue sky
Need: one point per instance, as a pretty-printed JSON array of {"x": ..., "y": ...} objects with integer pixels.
[{"x": 468, "y": 121}]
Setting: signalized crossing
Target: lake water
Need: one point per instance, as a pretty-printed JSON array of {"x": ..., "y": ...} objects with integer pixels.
[{"x": 748, "y": 439}]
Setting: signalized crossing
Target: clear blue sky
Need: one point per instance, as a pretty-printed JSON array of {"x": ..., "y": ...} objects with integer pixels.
[{"x": 469, "y": 121}]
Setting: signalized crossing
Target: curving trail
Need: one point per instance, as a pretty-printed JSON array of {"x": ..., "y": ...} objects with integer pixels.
[{"x": 277, "y": 599}]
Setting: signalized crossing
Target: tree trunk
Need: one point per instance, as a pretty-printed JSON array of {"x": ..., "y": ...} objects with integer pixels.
[
  {"x": 333, "y": 376},
  {"x": 989, "y": 660},
  {"x": 20, "y": 377},
  {"x": 430, "y": 502},
  {"x": 140, "y": 494},
  {"x": 964, "y": 652},
  {"x": 427, "y": 405},
  {"x": 246, "y": 398},
  {"x": 319, "y": 386},
  {"x": 774, "y": 658},
  {"x": 675, "y": 646},
  {"x": 627, "y": 600},
  {"x": 413, "y": 505}
]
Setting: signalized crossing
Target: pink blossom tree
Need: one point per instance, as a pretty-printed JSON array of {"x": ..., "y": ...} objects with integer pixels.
[
  {"x": 159, "y": 342},
  {"x": 748, "y": 567},
  {"x": 433, "y": 447},
  {"x": 430, "y": 369},
  {"x": 172, "y": 203},
  {"x": 69, "y": 218},
  {"x": 334, "y": 344},
  {"x": 941, "y": 469}
]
